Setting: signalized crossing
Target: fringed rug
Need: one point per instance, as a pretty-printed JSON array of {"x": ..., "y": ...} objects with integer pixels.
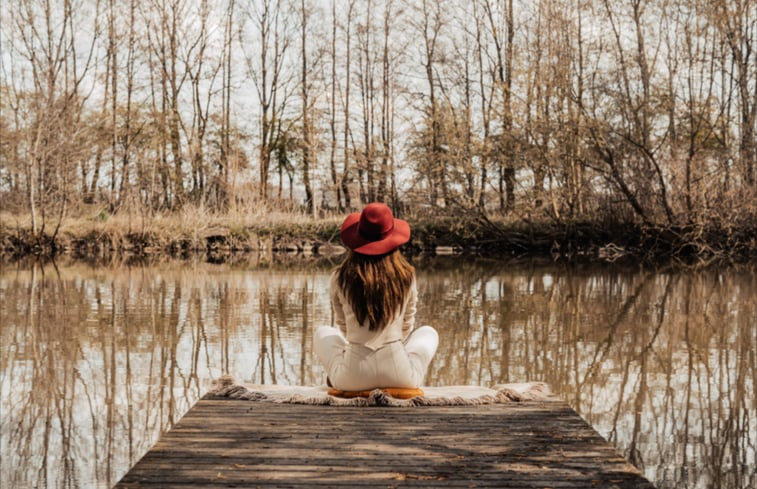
[{"x": 455, "y": 395}]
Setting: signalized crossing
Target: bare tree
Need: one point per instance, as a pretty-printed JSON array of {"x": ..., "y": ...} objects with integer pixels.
[
  {"x": 486, "y": 93},
  {"x": 386, "y": 168},
  {"x": 366, "y": 80},
  {"x": 346, "y": 176},
  {"x": 431, "y": 25},
  {"x": 305, "y": 101},
  {"x": 737, "y": 22},
  {"x": 46, "y": 36},
  {"x": 270, "y": 79},
  {"x": 502, "y": 32},
  {"x": 332, "y": 110}
]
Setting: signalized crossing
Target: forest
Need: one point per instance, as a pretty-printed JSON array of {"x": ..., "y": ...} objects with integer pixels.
[{"x": 637, "y": 113}]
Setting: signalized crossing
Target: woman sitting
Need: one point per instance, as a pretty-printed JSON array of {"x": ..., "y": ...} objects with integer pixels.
[{"x": 373, "y": 296}]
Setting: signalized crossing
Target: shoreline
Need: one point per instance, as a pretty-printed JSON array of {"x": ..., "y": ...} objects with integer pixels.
[{"x": 441, "y": 236}]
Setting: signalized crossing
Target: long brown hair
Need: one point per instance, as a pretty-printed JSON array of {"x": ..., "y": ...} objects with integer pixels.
[{"x": 375, "y": 286}]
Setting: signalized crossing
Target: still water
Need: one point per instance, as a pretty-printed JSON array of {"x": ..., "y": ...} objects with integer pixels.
[{"x": 97, "y": 362}]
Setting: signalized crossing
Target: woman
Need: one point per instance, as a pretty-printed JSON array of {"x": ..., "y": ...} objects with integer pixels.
[{"x": 373, "y": 296}]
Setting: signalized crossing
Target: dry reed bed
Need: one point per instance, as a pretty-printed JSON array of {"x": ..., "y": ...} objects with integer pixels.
[{"x": 265, "y": 230}]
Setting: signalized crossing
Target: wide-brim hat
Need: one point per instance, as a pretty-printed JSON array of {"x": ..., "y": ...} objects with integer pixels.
[{"x": 374, "y": 231}]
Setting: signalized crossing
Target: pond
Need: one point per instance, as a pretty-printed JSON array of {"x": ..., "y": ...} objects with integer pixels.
[{"x": 97, "y": 361}]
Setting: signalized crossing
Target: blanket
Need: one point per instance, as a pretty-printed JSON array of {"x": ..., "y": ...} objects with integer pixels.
[{"x": 226, "y": 387}]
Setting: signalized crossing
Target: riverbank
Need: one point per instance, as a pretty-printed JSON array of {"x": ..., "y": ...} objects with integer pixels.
[
  {"x": 173, "y": 234},
  {"x": 296, "y": 233}
]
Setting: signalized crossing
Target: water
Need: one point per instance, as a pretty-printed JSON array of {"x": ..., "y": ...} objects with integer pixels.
[{"x": 97, "y": 362}]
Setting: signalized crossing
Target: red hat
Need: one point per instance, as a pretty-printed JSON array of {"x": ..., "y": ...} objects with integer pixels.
[{"x": 374, "y": 231}]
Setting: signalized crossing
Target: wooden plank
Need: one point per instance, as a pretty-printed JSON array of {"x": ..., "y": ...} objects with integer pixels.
[{"x": 224, "y": 443}]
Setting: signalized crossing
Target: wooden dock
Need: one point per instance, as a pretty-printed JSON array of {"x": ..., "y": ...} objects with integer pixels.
[{"x": 228, "y": 443}]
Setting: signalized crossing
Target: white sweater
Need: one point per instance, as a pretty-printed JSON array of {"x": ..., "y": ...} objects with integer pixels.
[{"x": 397, "y": 329}]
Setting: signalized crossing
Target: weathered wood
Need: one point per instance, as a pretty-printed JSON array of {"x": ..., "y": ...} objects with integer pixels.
[{"x": 223, "y": 443}]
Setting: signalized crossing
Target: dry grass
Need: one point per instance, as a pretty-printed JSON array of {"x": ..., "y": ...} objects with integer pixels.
[
  {"x": 271, "y": 226},
  {"x": 161, "y": 228}
]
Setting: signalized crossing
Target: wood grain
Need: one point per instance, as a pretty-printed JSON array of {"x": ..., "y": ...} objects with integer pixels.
[{"x": 224, "y": 443}]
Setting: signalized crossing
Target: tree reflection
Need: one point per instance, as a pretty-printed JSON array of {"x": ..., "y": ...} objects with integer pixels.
[{"x": 95, "y": 363}]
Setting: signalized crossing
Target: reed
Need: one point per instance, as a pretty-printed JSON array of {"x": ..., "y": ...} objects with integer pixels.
[
  {"x": 265, "y": 226},
  {"x": 187, "y": 228}
]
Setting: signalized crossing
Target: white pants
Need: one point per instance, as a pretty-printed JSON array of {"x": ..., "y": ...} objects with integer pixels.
[{"x": 354, "y": 367}]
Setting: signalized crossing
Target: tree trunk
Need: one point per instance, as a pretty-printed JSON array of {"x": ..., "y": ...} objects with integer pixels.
[
  {"x": 332, "y": 112},
  {"x": 348, "y": 70},
  {"x": 306, "y": 143}
]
